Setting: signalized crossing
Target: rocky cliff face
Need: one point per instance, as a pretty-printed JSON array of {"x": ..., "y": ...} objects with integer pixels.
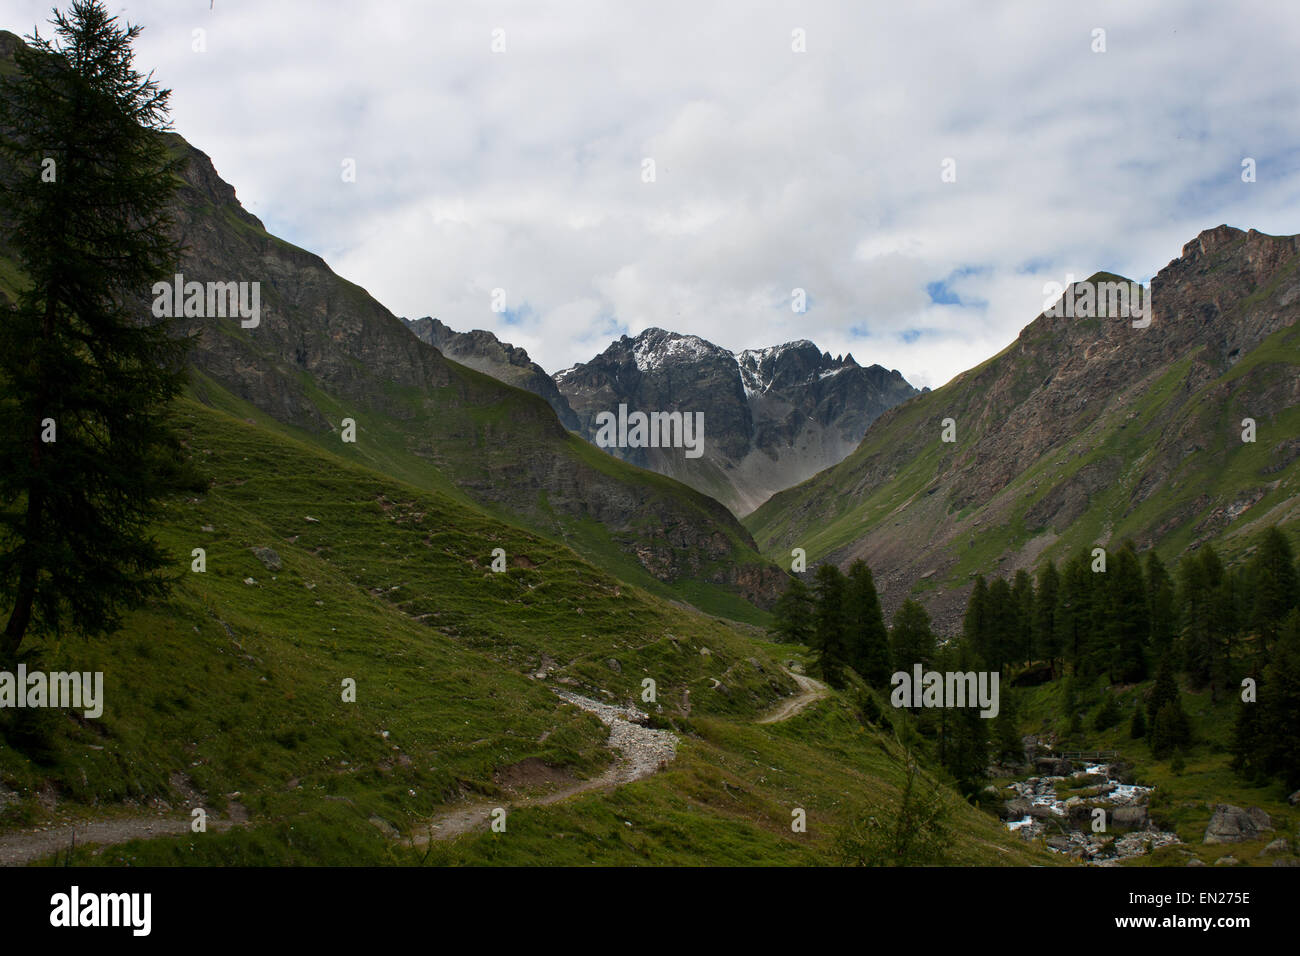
[
  {"x": 1084, "y": 431},
  {"x": 484, "y": 352},
  {"x": 772, "y": 417}
]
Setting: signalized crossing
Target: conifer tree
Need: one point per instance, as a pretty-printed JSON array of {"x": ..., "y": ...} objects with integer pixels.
[
  {"x": 1276, "y": 588},
  {"x": 911, "y": 640},
  {"x": 829, "y": 633},
  {"x": 1046, "y": 640},
  {"x": 1074, "y": 610},
  {"x": 1203, "y": 617},
  {"x": 1108, "y": 714},
  {"x": 866, "y": 637},
  {"x": 1169, "y": 728},
  {"x": 975, "y": 622},
  {"x": 1160, "y": 605},
  {"x": 1001, "y": 625},
  {"x": 1137, "y": 728},
  {"x": 963, "y": 733},
  {"x": 1280, "y": 700},
  {"x": 1022, "y": 595},
  {"x": 1006, "y": 728},
  {"x": 85, "y": 374},
  {"x": 793, "y": 614},
  {"x": 1129, "y": 615}
]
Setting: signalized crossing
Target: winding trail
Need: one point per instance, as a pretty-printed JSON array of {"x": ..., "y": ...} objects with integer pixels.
[
  {"x": 642, "y": 751},
  {"x": 809, "y": 691}
]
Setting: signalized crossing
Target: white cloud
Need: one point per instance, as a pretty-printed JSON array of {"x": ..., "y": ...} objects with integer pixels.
[{"x": 774, "y": 169}]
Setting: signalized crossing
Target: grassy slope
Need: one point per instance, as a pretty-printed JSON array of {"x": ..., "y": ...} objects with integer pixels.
[
  {"x": 238, "y": 686},
  {"x": 384, "y": 445}
]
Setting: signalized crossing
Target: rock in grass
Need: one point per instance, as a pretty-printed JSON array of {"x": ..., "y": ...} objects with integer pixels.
[
  {"x": 1233, "y": 824},
  {"x": 268, "y": 558}
]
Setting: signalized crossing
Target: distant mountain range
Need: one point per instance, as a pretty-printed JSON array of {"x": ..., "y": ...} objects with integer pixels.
[{"x": 772, "y": 417}]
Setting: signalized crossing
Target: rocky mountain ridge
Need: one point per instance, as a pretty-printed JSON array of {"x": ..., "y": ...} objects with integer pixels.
[
  {"x": 484, "y": 352},
  {"x": 773, "y": 416},
  {"x": 1082, "y": 432}
]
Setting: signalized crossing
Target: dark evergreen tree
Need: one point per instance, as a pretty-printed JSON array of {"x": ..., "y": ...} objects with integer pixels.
[
  {"x": 1108, "y": 714},
  {"x": 1129, "y": 623},
  {"x": 1047, "y": 644},
  {"x": 793, "y": 614},
  {"x": 911, "y": 641},
  {"x": 1137, "y": 728},
  {"x": 1275, "y": 585},
  {"x": 1169, "y": 726},
  {"x": 975, "y": 627},
  {"x": 867, "y": 640},
  {"x": 829, "y": 634},
  {"x": 1001, "y": 625},
  {"x": 84, "y": 383},
  {"x": 1165, "y": 689},
  {"x": 1250, "y": 744},
  {"x": 1280, "y": 701},
  {"x": 1007, "y": 742},
  {"x": 1022, "y": 595},
  {"x": 1074, "y": 610},
  {"x": 1099, "y": 654},
  {"x": 1171, "y": 732},
  {"x": 1160, "y": 606},
  {"x": 1200, "y": 580},
  {"x": 963, "y": 733}
]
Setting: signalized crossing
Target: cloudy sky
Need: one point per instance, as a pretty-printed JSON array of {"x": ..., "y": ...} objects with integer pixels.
[{"x": 794, "y": 146}]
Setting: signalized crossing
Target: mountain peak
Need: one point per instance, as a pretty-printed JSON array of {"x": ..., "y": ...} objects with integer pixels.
[{"x": 774, "y": 415}]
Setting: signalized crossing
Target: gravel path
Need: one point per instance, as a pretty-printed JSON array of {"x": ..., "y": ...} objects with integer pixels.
[
  {"x": 26, "y": 846},
  {"x": 642, "y": 751},
  {"x": 809, "y": 690}
]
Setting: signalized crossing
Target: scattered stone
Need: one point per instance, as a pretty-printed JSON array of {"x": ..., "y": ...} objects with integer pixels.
[
  {"x": 1016, "y": 809},
  {"x": 1233, "y": 824},
  {"x": 1226, "y": 861},
  {"x": 644, "y": 750},
  {"x": 208, "y": 527},
  {"x": 1280, "y": 845},
  {"x": 1053, "y": 766},
  {"x": 311, "y": 519},
  {"x": 250, "y": 581},
  {"x": 268, "y": 558},
  {"x": 1144, "y": 841},
  {"x": 1294, "y": 799},
  {"x": 614, "y": 665},
  {"x": 1130, "y": 818}
]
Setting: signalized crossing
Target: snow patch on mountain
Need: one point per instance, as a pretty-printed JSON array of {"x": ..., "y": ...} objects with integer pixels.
[{"x": 655, "y": 348}]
